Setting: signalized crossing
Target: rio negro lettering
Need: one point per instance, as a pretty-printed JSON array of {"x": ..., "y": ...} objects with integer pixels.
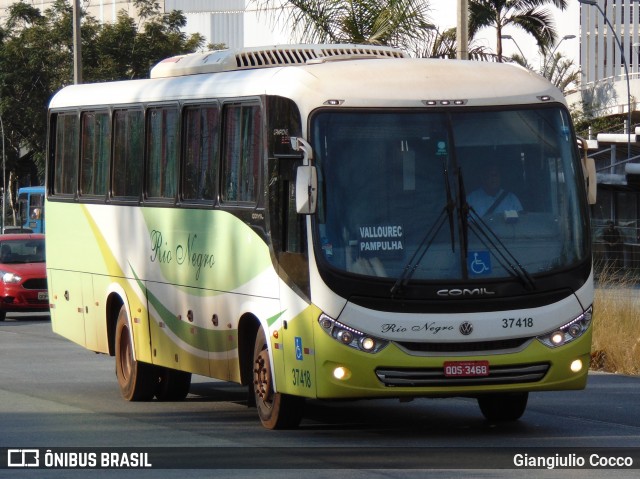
[
  {"x": 430, "y": 328},
  {"x": 184, "y": 254}
]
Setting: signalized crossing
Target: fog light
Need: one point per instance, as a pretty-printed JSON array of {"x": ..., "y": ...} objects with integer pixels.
[
  {"x": 576, "y": 366},
  {"x": 557, "y": 338},
  {"x": 341, "y": 373}
]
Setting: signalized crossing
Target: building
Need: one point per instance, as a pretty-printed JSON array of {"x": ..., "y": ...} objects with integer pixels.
[
  {"x": 610, "y": 85},
  {"x": 235, "y": 23},
  {"x": 609, "y": 47}
]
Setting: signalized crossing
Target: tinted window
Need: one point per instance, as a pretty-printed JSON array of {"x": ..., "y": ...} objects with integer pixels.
[
  {"x": 162, "y": 141},
  {"x": 128, "y": 152},
  {"x": 200, "y": 152},
  {"x": 96, "y": 145},
  {"x": 241, "y": 161},
  {"x": 66, "y": 154}
]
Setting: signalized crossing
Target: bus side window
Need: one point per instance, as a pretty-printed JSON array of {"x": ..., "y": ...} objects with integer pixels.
[
  {"x": 66, "y": 154},
  {"x": 162, "y": 147},
  {"x": 95, "y": 151},
  {"x": 128, "y": 153},
  {"x": 201, "y": 138},
  {"x": 241, "y": 152}
]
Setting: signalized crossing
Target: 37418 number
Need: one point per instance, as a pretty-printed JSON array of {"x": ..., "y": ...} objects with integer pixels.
[
  {"x": 517, "y": 323},
  {"x": 301, "y": 377}
]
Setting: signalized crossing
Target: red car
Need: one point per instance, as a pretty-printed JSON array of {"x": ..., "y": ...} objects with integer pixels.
[{"x": 23, "y": 274}]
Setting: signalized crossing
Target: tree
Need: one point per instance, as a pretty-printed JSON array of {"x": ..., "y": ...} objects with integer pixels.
[
  {"x": 443, "y": 44},
  {"x": 561, "y": 71},
  {"x": 526, "y": 15},
  {"x": 375, "y": 22},
  {"x": 36, "y": 60}
]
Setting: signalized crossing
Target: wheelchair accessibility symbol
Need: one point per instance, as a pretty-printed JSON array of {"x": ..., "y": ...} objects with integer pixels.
[
  {"x": 298, "y": 342},
  {"x": 479, "y": 262}
]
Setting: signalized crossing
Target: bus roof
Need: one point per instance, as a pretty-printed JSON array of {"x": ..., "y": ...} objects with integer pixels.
[
  {"x": 265, "y": 57},
  {"x": 362, "y": 82}
]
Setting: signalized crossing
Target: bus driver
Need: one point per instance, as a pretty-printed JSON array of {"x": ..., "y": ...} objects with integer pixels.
[{"x": 491, "y": 197}]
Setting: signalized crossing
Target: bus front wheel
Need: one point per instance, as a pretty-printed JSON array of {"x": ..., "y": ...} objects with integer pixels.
[
  {"x": 276, "y": 410},
  {"x": 138, "y": 381},
  {"x": 504, "y": 406}
]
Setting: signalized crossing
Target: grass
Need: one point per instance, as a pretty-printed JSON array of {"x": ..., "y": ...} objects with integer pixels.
[{"x": 616, "y": 324}]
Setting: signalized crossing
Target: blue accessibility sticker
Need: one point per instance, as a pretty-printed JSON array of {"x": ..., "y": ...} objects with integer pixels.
[
  {"x": 479, "y": 263},
  {"x": 298, "y": 341}
]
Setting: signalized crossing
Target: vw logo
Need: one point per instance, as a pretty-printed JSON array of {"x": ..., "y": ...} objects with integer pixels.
[{"x": 466, "y": 328}]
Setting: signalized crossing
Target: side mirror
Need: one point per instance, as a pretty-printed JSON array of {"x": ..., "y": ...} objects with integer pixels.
[
  {"x": 306, "y": 179},
  {"x": 589, "y": 171},
  {"x": 306, "y": 189},
  {"x": 592, "y": 184}
]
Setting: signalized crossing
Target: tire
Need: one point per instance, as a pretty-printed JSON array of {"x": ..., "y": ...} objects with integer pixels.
[
  {"x": 173, "y": 385},
  {"x": 503, "y": 407},
  {"x": 3, "y": 315},
  {"x": 276, "y": 410},
  {"x": 138, "y": 381}
]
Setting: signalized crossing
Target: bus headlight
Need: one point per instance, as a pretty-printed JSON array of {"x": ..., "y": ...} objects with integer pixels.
[
  {"x": 349, "y": 336},
  {"x": 570, "y": 331}
]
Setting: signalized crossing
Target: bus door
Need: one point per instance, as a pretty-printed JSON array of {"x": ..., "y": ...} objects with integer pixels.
[{"x": 293, "y": 268}]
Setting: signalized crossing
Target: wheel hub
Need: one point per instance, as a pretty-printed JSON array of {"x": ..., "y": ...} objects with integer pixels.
[{"x": 262, "y": 376}]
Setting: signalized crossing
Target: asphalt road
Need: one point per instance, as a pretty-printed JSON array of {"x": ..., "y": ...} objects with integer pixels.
[{"x": 57, "y": 396}]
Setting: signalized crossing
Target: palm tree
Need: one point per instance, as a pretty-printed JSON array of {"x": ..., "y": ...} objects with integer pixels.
[
  {"x": 374, "y": 22},
  {"x": 443, "y": 44},
  {"x": 561, "y": 71},
  {"x": 527, "y": 15}
]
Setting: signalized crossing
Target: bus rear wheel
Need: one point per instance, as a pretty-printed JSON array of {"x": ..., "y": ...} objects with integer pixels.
[
  {"x": 503, "y": 407},
  {"x": 138, "y": 381},
  {"x": 276, "y": 410}
]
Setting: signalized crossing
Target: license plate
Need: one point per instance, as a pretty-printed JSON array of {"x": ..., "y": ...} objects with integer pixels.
[
  {"x": 466, "y": 369},
  {"x": 43, "y": 296}
]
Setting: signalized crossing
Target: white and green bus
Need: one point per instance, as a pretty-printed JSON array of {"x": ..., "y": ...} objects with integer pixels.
[{"x": 302, "y": 220}]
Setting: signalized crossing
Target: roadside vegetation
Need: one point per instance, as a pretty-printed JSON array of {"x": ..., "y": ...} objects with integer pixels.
[
  {"x": 616, "y": 325},
  {"x": 36, "y": 60}
]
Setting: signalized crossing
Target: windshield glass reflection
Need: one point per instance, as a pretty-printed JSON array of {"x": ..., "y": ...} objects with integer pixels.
[{"x": 435, "y": 195}]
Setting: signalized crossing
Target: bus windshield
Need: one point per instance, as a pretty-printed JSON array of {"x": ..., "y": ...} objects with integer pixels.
[{"x": 455, "y": 195}]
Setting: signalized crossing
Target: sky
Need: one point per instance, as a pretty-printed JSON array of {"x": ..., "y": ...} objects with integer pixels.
[{"x": 444, "y": 15}]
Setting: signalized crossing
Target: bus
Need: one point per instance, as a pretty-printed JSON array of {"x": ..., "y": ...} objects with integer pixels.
[
  {"x": 31, "y": 208},
  {"x": 298, "y": 219}
]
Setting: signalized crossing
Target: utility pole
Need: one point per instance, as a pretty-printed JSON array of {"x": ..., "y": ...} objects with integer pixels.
[
  {"x": 462, "y": 32},
  {"x": 77, "y": 44}
]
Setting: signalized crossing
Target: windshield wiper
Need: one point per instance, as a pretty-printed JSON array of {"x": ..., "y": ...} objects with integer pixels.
[
  {"x": 492, "y": 241},
  {"x": 463, "y": 215},
  {"x": 425, "y": 244}
]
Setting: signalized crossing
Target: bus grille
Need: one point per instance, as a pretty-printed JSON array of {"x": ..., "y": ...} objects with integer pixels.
[
  {"x": 467, "y": 347},
  {"x": 431, "y": 377}
]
